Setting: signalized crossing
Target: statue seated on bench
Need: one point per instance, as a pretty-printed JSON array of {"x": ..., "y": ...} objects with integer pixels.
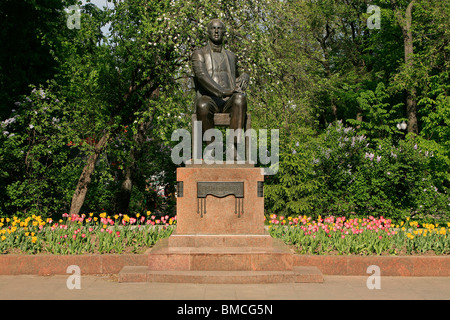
[{"x": 220, "y": 89}]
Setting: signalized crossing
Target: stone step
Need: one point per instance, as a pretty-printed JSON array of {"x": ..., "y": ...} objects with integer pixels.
[
  {"x": 297, "y": 274},
  {"x": 215, "y": 240},
  {"x": 221, "y": 259}
]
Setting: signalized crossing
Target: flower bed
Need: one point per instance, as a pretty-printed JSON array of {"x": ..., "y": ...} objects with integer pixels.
[
  {"x": 79, "y": 234},
  {"x": 366, "y": 236}
]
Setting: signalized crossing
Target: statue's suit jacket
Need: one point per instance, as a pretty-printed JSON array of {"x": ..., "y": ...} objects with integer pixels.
[{"x": 202, "y": 65}]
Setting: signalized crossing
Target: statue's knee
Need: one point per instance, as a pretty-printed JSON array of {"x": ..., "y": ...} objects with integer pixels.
[
  {"x": 240, "y": 100},
  {"x": 203, "y": 106}
]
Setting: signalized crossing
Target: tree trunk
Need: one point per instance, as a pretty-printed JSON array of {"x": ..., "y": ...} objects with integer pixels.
[
  {"x": 85, "y": 178},
  {"x": 405, "y": 24},
  {"x": 123, "y": 197},
  {"x": 359, "y": 117},
  {"x": 411, "y": 102}
]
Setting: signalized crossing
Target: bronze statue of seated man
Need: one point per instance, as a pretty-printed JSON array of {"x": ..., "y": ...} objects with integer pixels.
[{"x": 219, "y": 87}]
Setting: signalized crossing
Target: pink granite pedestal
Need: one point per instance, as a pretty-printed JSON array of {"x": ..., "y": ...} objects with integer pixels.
[
  {"x": 220, "y": 217},
  {"x": 220, "y": 244}
]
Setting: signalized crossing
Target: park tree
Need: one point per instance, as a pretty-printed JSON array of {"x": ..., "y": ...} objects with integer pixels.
[
  {"x": 93, "y": 129},
  {"x": 29, "y": 31},
  {"x": 141, "y": 65}
]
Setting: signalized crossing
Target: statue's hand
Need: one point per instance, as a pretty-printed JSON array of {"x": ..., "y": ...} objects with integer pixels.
[
  {"x": 242, "y": 81},
  {"x": 229, "y": 93}
]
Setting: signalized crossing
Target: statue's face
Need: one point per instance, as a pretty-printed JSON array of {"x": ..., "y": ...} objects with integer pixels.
[{"x": 216, "y": 31}]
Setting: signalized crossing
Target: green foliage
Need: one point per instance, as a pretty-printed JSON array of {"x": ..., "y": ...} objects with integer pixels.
[
  {"x": 30, "y": 31},
  {"x": 311, "y": 63},
  {"x": 294, "y": 189},
  {"x": 380, "y": 178},
  {"x": 35, "y": 156},
  {"x": 379, "y": 117}
]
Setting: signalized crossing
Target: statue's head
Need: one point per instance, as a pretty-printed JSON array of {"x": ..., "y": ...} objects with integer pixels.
[{"x": 216, "y": 31}]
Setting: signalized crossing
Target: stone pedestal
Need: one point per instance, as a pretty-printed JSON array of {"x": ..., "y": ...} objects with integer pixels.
[
  {"x": 220, "y": 236},
  {"x": 225, "y": 215}
]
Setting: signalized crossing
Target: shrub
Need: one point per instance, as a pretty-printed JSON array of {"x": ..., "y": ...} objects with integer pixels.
[{"x": 378, "y": 178}]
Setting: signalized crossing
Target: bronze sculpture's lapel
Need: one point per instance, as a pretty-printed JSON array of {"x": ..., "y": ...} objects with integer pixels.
[
  {"x": 209, "y": 60},
  {"x": 231, "y": 69}
]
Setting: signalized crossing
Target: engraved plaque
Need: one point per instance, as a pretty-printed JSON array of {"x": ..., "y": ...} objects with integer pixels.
[{"x": 220, "y": 189}]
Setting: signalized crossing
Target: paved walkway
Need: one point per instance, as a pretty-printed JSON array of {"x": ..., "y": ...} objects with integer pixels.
[{"x": 334, "y": 287}]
